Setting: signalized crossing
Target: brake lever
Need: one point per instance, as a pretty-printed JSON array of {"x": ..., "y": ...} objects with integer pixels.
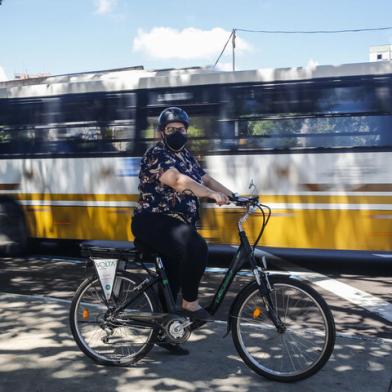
[{"x": 243, "y": 201}]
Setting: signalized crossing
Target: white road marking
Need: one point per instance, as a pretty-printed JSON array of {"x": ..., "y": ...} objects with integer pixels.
[
  {"x": 356, "y": 296},
  {"x": 40, "y": 298},
  {"x": 339, "y": 334},
  {"x": 387, "y": 256}
]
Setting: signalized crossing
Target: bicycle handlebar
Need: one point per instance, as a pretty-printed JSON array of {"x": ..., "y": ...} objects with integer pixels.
[
  {"x": 242, "y": 201},
  {"x": 252, "y": 201}
]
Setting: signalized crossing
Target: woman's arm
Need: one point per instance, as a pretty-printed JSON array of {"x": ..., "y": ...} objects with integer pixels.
[
  {"x": 215, "y": 185},
  {"x": 181, "y": 182}
]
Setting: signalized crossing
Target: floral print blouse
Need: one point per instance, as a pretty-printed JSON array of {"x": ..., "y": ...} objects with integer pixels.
[{"x": 159, "y": 198}]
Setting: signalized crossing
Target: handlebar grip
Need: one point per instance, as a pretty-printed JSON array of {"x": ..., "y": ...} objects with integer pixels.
[
  {"x": 243, "y": 200},
  {"x": 234, "y": 197}
]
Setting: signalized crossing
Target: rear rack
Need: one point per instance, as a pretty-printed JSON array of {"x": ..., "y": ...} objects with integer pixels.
[{"x": 105, "y": 249}]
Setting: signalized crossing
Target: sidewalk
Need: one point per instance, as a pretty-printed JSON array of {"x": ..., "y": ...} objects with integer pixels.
[{"x": 38, "y": 354}]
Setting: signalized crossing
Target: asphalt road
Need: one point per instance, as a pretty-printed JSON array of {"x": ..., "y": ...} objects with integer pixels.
[
  {"x": 38, "y": 354},
  {"x": 348, "y": 288}
]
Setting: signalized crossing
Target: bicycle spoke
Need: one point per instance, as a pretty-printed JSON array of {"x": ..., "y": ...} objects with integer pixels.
[
  {"x": 293, "y": 352},
  {"x": 286, "y": 309},
  {"x": 105, "y": 336},
  {"x": 288, "y": 352}
]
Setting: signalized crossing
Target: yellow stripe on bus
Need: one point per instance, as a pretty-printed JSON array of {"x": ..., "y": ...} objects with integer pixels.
[{"x": 324, "y": 229}]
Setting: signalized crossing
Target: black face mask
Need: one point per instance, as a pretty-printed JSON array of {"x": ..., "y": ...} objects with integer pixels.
[{"x": 176, "y": 141}]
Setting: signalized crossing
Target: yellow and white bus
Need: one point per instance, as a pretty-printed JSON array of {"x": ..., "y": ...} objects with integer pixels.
[{"x": 317, "y": 142}]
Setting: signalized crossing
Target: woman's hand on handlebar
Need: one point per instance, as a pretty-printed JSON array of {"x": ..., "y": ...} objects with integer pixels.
[
  {"x": 219, "y": 198},
  {"x": 243, "y": 200}
]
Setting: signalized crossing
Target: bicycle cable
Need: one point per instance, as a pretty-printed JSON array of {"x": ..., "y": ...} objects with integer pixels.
[{"x": 264, "y": 224}]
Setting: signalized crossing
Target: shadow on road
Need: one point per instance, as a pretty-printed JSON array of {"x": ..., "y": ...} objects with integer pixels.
[{"x": 37, "y": 353}]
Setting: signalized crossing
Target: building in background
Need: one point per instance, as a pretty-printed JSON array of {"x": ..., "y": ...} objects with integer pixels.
[
  {"x": 380, "y": 53},
  {"x": 25, "y": 75}
]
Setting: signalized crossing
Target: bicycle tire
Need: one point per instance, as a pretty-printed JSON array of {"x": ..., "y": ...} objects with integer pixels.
[
  {"x": 86, "y": 311},
  {"x": 307, "y": 339}
]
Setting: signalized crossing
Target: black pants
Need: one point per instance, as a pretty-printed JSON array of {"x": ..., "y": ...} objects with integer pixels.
[{"x": 184, "y": 252}]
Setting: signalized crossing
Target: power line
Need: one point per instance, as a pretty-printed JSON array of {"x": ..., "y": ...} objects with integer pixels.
[
  {"x": 234, "y": 31},
  {"x": 314, "y": 31}
]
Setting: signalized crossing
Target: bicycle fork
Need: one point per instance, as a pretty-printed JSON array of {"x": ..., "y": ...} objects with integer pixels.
[{"x": 265, "y": 292}]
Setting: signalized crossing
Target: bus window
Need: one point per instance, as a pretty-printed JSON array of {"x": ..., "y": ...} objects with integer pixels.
[
  {"x": 316, "y": 132},
  {"x": 200, "y": 132},
  {"x": 316, "y": 114},
  {"x": 326, "y": 97},
  {"x": 76, "y": 123}
]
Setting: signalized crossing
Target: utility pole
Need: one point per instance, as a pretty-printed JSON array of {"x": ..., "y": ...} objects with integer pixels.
[
  {"x": 232, "y": 37},
  {"x": 233, "y": 45}
]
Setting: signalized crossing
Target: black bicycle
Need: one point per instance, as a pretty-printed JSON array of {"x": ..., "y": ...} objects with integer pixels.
[{"x": 281, "y": 327}]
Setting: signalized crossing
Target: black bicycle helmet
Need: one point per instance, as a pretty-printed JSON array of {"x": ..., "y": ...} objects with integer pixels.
[{"x": 172, "y": 114}]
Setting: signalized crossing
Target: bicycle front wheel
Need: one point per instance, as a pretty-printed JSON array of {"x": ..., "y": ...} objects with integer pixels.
[
  {"x": 106, "y": 340},
  {"x": 305, "y": 345}
]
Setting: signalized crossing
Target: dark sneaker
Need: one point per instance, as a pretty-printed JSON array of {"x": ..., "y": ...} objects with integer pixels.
[
  {"x": 172, "y": 348},
  {"x": 198, "y": 315}
]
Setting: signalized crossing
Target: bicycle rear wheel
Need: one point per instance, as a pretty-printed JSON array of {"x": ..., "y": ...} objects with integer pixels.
[
  {"x": 111, "y": 342},
  {"x": 302, "y": 349}
]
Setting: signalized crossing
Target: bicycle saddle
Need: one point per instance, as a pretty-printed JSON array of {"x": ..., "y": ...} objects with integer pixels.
[{"x": 105, "y": 248}]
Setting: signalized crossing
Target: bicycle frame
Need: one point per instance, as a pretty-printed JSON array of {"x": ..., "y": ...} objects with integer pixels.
[
  {"x": 243, "y": 255},
  {"x": 98, "y": 315}
]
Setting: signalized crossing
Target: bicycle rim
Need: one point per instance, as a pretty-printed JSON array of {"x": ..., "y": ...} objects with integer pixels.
[
  {"x": 298, "y": 352},
  {"x": 111, "y": 342}
]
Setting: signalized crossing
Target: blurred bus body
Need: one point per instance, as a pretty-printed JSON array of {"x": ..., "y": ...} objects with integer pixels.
[{"x": 316, "y": 142}]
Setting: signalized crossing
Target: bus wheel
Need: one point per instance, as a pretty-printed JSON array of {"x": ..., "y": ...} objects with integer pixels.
[{"x": 13, "y": 229}]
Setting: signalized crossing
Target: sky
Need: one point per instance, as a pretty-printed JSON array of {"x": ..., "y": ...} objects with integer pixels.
[{"x": 68, "y": 36}]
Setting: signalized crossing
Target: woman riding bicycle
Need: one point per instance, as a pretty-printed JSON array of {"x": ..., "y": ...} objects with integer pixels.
[
  {"x": 281, "y": 327},
  {"x": 171, "y": 181}
]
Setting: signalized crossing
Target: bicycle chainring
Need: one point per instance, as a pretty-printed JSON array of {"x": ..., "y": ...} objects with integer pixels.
[{"x": 175, "y": 330}]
